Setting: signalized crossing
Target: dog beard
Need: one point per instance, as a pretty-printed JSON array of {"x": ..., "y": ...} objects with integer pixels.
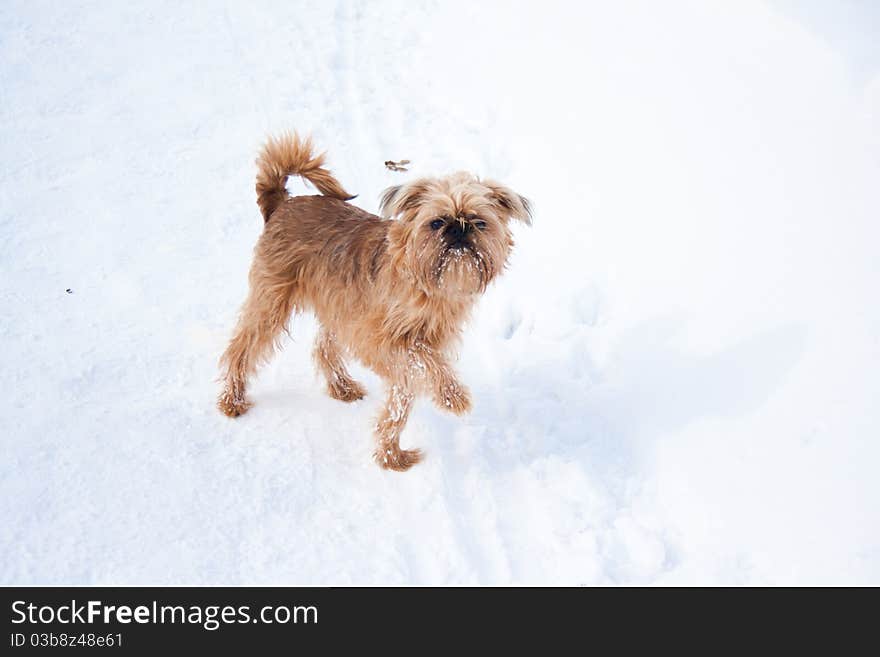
[
  {"x": 450, "y": 267},
  {"x": 462, "y": 268}
]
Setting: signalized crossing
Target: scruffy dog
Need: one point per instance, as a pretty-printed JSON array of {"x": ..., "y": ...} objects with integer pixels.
[{"x": 392, "y": 291}]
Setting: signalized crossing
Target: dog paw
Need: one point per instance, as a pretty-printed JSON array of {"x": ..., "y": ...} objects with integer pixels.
[
  {"x": 454, "y": 398},
  {"x": 233, "y": 405},
  {"x": 347, "y": 390},
  {"x": 394, "y": 458}
]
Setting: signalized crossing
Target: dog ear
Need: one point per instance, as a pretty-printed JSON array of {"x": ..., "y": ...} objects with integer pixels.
[
  {"x": 401, "y": 198},
  {"x": 513, "y": 204}
]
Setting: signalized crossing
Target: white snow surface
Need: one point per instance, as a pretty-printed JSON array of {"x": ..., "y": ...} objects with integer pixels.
[{"x": 676, "y": 381}]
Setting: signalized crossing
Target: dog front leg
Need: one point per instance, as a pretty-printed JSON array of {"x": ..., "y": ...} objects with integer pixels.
[
  {"x": 391, "y": 422},
  {"x": 452, "y": 396},
  {"x": 446, "y": 390}
]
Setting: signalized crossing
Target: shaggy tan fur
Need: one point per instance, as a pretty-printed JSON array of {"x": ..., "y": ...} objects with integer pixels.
[{"x": 391, "y": 291}]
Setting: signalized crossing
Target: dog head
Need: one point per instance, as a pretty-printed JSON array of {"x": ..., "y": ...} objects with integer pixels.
[{"x": 452, "y": 234}]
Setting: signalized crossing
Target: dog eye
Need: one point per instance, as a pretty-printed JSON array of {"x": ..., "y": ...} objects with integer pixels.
[
  {"x": 437, "y": 224},
  {"x": 480, "y": 224}
]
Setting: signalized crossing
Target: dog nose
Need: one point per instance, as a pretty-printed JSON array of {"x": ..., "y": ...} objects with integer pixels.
[{"x": 457, "y": 230}]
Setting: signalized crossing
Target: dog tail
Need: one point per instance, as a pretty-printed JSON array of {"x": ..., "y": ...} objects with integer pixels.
[{"x": 290, "y": 155}]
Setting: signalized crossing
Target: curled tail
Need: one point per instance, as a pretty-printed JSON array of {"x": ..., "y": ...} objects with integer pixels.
[{"x": 289, "y": 155}]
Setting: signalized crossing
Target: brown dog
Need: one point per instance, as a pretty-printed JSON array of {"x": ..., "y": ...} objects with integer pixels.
[{"x": 393, "y": 292}]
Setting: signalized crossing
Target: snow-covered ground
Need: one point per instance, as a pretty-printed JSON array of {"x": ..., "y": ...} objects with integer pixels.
[{"x": 676, "y": 382}]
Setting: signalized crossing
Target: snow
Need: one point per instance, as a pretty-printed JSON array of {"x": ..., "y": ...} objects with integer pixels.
[{"x": 676, "y": 381}]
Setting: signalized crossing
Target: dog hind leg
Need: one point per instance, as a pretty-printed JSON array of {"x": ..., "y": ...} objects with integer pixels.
[
  {"x": 264, "y": 316},
  {"x": 331, "y": 363}
]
